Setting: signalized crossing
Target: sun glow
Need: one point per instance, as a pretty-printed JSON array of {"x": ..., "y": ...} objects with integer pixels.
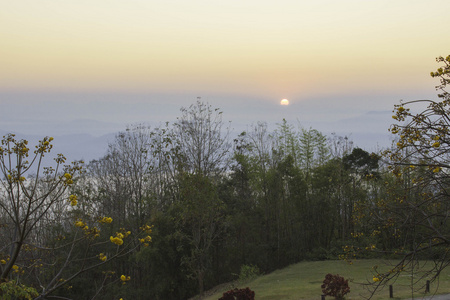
[{"x": 284, "y": 102}]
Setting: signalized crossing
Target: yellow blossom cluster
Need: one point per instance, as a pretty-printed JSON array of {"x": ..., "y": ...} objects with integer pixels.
[
  {"x": 73, "y": 200},
  {"x": 44, "y": 145},
  {"x": 400, "y": 113},
  {"x": 105, "y": 220},
  {"x": 102, "y": 257},
  {"x": 357, "y": 234},
  {"x": 376, "y": 232},
  {"x": 147, "y": 229},
  {"x": 67, "y": 178},
  {"x": 118, "y": 239},
  {"x": 93, "y": 232},
  {"x": 80, "y": 223},
  {"x": 16, "y": 269},
  {"x": 145, "y": 241},
  {"x": 349, "y": 253},
  {"x": 15, "y": 178},
  {"x": 124, "y": 279}
]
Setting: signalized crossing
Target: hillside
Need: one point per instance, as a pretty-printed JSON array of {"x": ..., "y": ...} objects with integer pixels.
[{"x": 303, "y": 281}]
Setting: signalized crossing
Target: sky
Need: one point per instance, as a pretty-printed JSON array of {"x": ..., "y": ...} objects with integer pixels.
[{"x": 92, "y": 67}]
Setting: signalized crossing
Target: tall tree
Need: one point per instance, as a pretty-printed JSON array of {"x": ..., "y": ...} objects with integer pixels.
[
  {"x": 416, "y": 213},
  {"x": 202, "y": 143},
  {"x": 200, "y": 223}
]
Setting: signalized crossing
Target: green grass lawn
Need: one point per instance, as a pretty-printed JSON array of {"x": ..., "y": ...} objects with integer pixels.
[{"x": 303, "y": 281}]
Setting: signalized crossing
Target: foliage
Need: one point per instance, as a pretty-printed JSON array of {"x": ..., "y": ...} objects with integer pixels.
[
  {"x": 361, "y": 162},
  {"x": 335, "y": 286},
  {"x": 239, "y": 294},
  {"x": 408, "y": 218},
  {"x": 49, "y": 240},
  {"x": 271, "y": 199},
  {"x": 248, "y": 272},
  {"x": 200, "y": 222},
  {"x": 13, "y": 290}
]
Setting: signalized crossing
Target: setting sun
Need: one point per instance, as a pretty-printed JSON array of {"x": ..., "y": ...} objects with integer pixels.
[{"x": 284, "y": 102}]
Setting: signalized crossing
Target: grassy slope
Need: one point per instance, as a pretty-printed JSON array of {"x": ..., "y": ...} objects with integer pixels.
[{"x": 303, "y": 281}]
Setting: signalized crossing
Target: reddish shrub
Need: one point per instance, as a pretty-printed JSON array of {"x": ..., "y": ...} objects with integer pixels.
[
  {"x": 335, "y": 286},
  {"x": 239, "y": 294}
]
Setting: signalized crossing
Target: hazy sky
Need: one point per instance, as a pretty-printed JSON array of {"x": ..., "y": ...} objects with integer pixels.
[{"x": 141, "y": 60}]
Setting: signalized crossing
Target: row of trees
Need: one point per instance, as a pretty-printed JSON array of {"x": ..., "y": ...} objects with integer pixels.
[
  {"x": 264, "y": 198},
  {"x": 173, "y": 210}
]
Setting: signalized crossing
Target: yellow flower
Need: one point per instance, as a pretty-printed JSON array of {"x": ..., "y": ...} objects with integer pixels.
[
  {"x": 73, "y": 200},
  {"x": 124, "y": 278},
  {"x": 436, "y": 145},
  {"x": 105, "y": 220},
  {"x": 437, "y": 169},
  {"x": 146, "y": 239},
  {"x": 15, "y": 267},
  {"x": 102, "y": 257},
  {"x": 79, "y": 223},
  {"x": 67, "y": 176},
  {"x": 401, "y": 108},
  {"x": 3, "y": 262},
  {"x": 376, "y": 279},
  {"x": 147, "y": 228},
  {"x": 116, "y": 240}
]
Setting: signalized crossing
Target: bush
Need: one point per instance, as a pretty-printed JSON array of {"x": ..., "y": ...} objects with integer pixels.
[
  {"x": 248, "y": 272},
  {"x": 335, "y": 286},
  {"x": 239, "y": 294}
]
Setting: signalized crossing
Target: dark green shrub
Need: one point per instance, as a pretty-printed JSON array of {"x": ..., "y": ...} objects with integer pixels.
[{"x": 248, "y": 272}]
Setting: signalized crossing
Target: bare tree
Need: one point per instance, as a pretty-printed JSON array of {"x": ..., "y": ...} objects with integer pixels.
[{"x": 204, "y": 145}]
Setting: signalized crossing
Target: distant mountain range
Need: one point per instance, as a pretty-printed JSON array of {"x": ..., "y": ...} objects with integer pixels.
[
  {"x": 86, "y": 139},
  {"x": 74, "y": 146}
]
